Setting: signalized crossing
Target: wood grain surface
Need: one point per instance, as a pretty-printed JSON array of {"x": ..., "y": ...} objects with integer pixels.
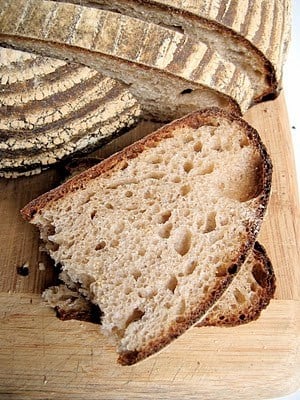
[{"x": 42, "y": 357}]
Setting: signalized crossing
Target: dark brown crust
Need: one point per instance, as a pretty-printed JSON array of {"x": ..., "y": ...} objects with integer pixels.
[
  {"x": 119, "y": 160},
  {"x": 267, "y": 285}
]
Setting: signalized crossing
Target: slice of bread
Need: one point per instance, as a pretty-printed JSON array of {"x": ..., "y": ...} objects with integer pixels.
[
  {"x": 249, "y": 293},
  {"x": 156, "y": 233},
  {"x": 50, "y": 110}
]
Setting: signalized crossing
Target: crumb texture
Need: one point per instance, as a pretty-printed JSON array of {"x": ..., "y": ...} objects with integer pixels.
[{"x": 154, "y": 240}]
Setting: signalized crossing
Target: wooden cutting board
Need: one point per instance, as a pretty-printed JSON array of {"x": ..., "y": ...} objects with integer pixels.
[{"x": 44, "y": 358}]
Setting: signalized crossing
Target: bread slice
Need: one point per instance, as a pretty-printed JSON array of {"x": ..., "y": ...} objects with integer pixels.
[
  {"x": 168, "y": 72},
  {"x": 249, "y": 293},
  {"x": 156, "y": 233},
  {"x": 50, "y": 110},
  {"x": 239, "y": 31}
]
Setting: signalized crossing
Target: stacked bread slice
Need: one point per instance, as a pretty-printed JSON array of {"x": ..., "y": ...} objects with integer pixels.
[
  {"x": 50, "y": 110},
  {"x": 155, "y": 234}
]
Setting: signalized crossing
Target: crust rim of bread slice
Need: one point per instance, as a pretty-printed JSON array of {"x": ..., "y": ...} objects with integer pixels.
[
  {"x": 266, "y": 279},
  {"x": 119, "y": 161}
]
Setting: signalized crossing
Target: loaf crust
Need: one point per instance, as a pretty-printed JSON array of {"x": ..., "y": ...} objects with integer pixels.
[{"x": 51, "y": 110}]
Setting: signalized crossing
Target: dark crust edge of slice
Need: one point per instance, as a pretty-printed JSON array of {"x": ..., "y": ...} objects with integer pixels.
[
  {"x": 119, "y": 161},
  {"x": 267, "y": 291}
]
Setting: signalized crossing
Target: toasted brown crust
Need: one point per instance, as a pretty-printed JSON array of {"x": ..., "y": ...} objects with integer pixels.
[{"x": 118, "y": 160}]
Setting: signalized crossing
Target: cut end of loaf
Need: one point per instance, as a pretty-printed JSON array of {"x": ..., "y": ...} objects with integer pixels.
[{"x": 156, "y": 233}]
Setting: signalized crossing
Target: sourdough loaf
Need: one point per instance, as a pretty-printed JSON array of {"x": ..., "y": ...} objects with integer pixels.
[
  {"x": 156, "y": 233},
  {"x": 169, "y": 72},
  {"x": 50, "y": 110}
]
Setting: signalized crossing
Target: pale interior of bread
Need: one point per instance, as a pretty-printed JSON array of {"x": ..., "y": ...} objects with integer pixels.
[{"x": 150, "y": 240}]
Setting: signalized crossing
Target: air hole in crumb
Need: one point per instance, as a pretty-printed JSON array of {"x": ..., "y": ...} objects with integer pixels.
[
  {"x": 208, "y": 169},
  {"x": 221, "y": 317},
  {"x": 197, "y": 147},
  {"x": 186, "y": 91},
  {"x": 136, "y": 315},
  {"x": 127, "y": 290},
  {"x": 136, "y": 274},
  {"x": 172, "y": 284},
  {"x": 244, "y": 142},
  {"x": 232, "y": 269},
  {"x": 260, "y": 275},
  {"x": 242, "y": 317},
  {"x": 183, "y": 240},
  {"x": 188, "y": 138},
  {"x": 156, "y": 160},
  {"x": 123, "y": 165},
  {"x": 141, "y": 252},
  {"x": 114, "y": 243},
  {"x": 186, "y": 212},
  {"x": 185, "y": 189},
  {"x": 164, "y": 216},
  {"x": 128, "y": 193},
  {"x": 109, "y": 206},
  {"x": 100, "y": 245},
  {"x": 165, "y": 231},
  {"x": 188, "y": 166},
  {"x": 155, "y": 175},
  {"x": 240, "y": 298},
  {"x": 221, "y": 271},
  {"x": 190, "y": 268},
  {"x": 168, "y": 305},
  {"x": 210, "y": 222},
  {"x": 176, "y": 179},
  {"x": 93, "y": 214}
]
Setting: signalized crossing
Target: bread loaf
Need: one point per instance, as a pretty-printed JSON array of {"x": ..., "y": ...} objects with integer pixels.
[
  {"x": 50, "y": 110},
  {"x": 156, "y": 233},
  {"x": 169, "y": 72}
]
